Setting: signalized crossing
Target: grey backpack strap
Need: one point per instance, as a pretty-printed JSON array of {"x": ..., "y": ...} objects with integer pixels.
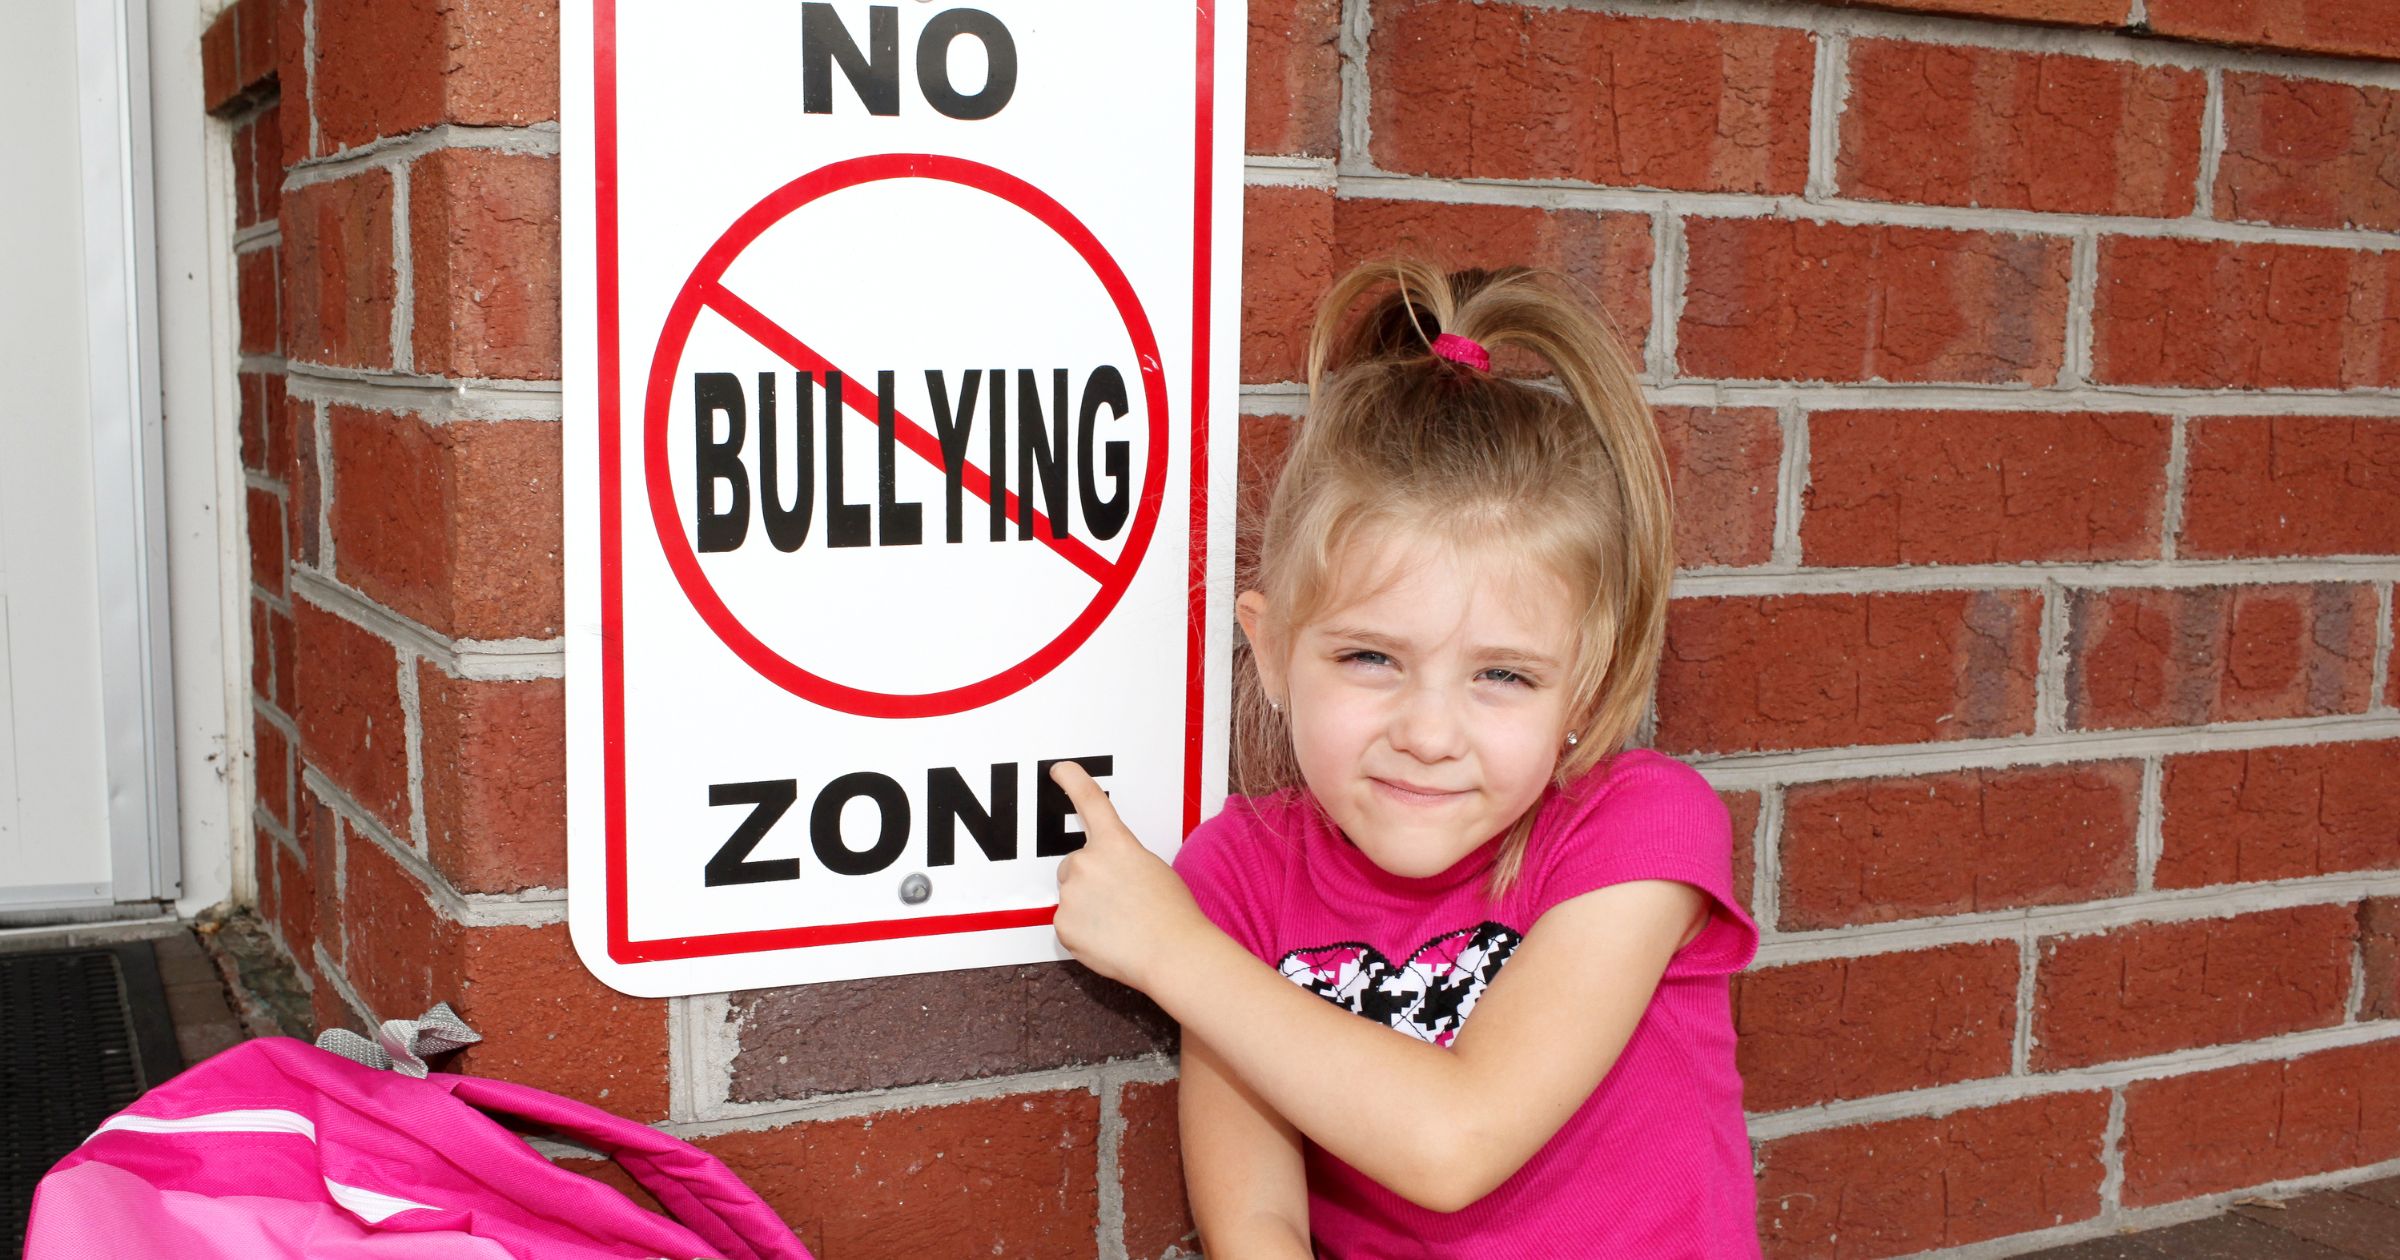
[{"x": 403, "y": 1045}]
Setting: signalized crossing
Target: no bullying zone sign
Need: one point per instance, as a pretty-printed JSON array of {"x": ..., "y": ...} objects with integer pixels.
[{"x": 900, "y": 352}]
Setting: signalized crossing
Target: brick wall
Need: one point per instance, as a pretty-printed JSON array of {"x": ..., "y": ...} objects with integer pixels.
[{"x": 2033, "y": 389}]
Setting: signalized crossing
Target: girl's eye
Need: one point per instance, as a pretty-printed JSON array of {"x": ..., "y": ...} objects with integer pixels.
[
  {"x": 1497, "y": 674},
  {"x": 1363, "y": 657}
]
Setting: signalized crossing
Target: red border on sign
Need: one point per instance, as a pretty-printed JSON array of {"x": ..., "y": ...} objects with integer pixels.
[{"x": 623, "y": 949}]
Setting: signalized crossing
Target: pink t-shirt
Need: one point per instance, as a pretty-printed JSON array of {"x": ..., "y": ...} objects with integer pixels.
[{"x": 1656, "y": 1163}]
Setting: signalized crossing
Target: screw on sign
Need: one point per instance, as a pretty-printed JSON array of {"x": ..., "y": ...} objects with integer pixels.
[{"x": 1061, "y": 475}]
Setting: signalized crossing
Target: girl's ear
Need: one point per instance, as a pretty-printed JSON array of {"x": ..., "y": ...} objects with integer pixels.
[{"x": 1265, "y": 653}]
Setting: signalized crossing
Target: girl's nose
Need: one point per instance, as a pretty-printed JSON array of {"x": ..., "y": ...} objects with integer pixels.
[{"x": 1428, "y": 725}]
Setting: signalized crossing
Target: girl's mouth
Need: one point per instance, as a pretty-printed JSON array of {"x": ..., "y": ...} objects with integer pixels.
[{"x": 1411, "y": 794}]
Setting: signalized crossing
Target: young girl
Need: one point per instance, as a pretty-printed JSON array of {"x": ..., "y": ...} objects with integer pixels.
[{"x": 1461, "y": 600}]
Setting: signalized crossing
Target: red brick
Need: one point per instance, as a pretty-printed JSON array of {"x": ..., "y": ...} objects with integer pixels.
[
  {"x": 2183, "y": 656},
  {"x": 351, "y": 726},
  {"x": 548, "y": 1023},
  {"x": 338, "y": 286},
  {"x": 271, "y": 752},
  {"x": 1854, "y": 1027},
  {"x": 495, "y": 781},
  {"x": 483, "y": 234},
  {"x": 1876, "y": 850},
  {"x": 321, "y": 842},
  {"x": 2242, "y": 816},
  {"x": 2290, "y": 485},
  {"x": 856, "y": 1035},
  {"x": 2217, "y": 315},
  {"x": 252, "y": 387},
  {"x": 245, "y": 174},
  {"x": 220, "y": 62},
  {"x": 2210, "y": 1132},
  {"x": 267, "y": 151},
  {"x": 263, "y": 519},
  {"x": 1806, "y": 671},
  {"x": 2379, "y": 958},
  {"x": 453, "y": 525},
  {"x": 2058, "y": 12},
  {"x": 281, "y": 449},
  {"x": 1723, "y": 462},
  {"x": 308, "y": 500},
  {"x": 397, "y": 66},
  {"x": 1956, "y": 125},
  {"x": 1511, "y": 91},
  {"x": 295, "y": 916},
  {"x": 1911, "y": 1185},
  {"x": 1014, "y": 1176},
  {"x": 255, "y": 288},
  {"x": 1158, "y": 1219},
  {"x": 400, "y": 954},
  {"x": 1799, "y": 300},
  {"x": 271, "y": 654},
  {"x": 1966, "y": 487},
  {"x": 2359, "y": 28},
  {"x": 1287, "y": 264},
  {"x": 2309, "y": 153},
  {"x": 254, "y": 42},
  {"x": 1295, "y": 91},
  {"x": 291, "y": 77},
  {"x": 2156, "y": 987},
  {"x": 1606, "y": 255},
  {"x": 1742, "y": 808}
]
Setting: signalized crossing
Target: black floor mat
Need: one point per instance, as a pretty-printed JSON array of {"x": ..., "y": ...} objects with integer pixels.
[{"x": 83, "y": 1032}]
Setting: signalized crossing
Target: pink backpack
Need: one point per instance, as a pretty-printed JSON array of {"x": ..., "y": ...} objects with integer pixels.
[{"x": 278, "y": 1149}]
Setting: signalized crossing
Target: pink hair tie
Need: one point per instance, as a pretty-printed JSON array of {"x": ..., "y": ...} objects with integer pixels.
[{"x": 1460, "y": 350}]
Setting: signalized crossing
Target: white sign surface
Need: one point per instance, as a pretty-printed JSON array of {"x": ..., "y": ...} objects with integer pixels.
[{"x": 900, "y": 352}]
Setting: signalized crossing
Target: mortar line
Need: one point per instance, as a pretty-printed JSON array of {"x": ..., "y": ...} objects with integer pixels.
[
  {"x": 265, "y": 484},
  {"x": 533, "y": 908},
  {"x": 1783, "y": 949},
  {"x": 1768, "y": 581},
  {"x": 1826, "y": 96},
  {"x": 679, "y": 1058},
  {"x": 412, "y": 725},
  {"x": 1942, "y": 1100},
  {"x": 2020, "y": 1042},
  {"x": 2050, "y": 668},
  {"x": 1354, "y": 146},
  {"x": 1791, "y": 486},
  {"x": 2112, "y": 1154},
  {"x": 2107, "y": 1225},
  {"x": 2361, "y": 404},
  {"x": 750, "y": 1117},
  {"x": 2380, "y": 700},
  {"x": 2083, "y": 294},
  {"x": 1110, "y": 1220},
  {"x": 2118, "y": 44},
  {"x": 481, "y": 660},
  {"x": 2358, "y": 981},
  {"x": 1817, "y": 765},
  {"x": 1666, "y": 268},
  {"x": 2212, "y": 144},
  {"x": 404, "y": 287},
  {"x": 392, "y": 152},
  {"x": 341, "y": 988},
  {"x": 1766, "y": 860},
  {"x": 1548, "y": 194},
  {"x": 320, "y": 422},
  {"x": 272, "y": 600},
  {"x": 308, "y": 78},
  {"x": 2150, "y": 826},
  {"x": 2170, "y": 529},
  {"x": 264, "y": 234}
]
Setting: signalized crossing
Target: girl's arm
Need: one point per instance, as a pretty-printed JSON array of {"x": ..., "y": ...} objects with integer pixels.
[
  {"x": 1241, "y": 1165},
  {"x": 1441, "y": 1128}
]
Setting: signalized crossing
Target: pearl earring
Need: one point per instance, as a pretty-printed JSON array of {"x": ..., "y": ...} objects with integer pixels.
[
  {"x": 1572, "y": 739},
  {"x": 1275, "y": 706}
]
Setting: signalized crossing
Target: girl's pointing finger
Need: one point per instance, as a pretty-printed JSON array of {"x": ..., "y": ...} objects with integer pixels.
[{"x": 1091, "y": 803}]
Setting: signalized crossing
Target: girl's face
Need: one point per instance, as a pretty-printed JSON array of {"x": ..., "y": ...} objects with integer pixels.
[{"x": 1428, "y": 714}]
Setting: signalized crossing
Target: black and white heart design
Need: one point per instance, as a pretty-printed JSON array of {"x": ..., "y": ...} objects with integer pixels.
[{"x": 1427, "y": 997}]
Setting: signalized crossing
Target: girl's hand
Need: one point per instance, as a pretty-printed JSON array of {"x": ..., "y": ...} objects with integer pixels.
[{"x": 1120, "y": 909}]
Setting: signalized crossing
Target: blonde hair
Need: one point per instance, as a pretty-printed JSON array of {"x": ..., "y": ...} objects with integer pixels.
[{"x": 1571, "y": 478}]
